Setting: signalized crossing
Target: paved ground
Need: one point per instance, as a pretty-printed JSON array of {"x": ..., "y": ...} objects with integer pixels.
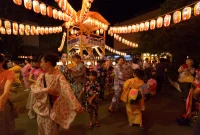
[{"x": 159, "y": 118}]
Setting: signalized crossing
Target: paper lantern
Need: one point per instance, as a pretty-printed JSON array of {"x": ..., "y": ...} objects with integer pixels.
[
  {"x": 186, "y": 13},
  {"x": 0, "y": 23},
  {"x": 129, "y": 29},
  {"x": 159, "y": 22},
  {"x": 146, "y": 26},
  {"x": 36, "y": 6},
  {"x": 54, "y": 30},
  {"x": 60, "y": 15},
  {"x": 33, "y": 29},
  {"x": 141, "y": 26},
  {"x": 57, "y": 1},
  {"x": 152, "y": 24},
  {"x": 55, "y": 14},
  {"x": 3, "y": 30},
  {"x": 42, "y": 30},
  {"x": 18, "y": 2},
  {"x": 46, "y": 30},
  {"x": 49, "y": 11},
  {"x": 15, "y": 32},
  {"x": 21, "y": 29},
  {"x": 167, "y": 20},
  {"x": 57, "y": 30},
  {"x": 97, "y": 32},
  {"x": 60, "y": 29},
  {"x": 137, "y": 27},
  {"x": 15, "y": 26},
  {"x": 37, "y": 31},
  {"x": 197, "y": 9},
  {"x": 27, "y": 30},
  {"x": 28, "y": 4},
  {"x": 8, "y": 31},
  {"x": 65, "y": 17},
  {"x": 177, "y": 17},
  {"x": 7, "y": 24},
  {"x": 120, "y": 39},
  {"x": 43, "y": 9},
  {"x": 101, "y": 31},
  {"x": 50, "y": 30},
  {"x": 133, "y": 28}
]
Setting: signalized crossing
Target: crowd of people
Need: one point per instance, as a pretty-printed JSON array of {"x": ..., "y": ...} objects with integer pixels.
[{"x": 57, "y": 93}]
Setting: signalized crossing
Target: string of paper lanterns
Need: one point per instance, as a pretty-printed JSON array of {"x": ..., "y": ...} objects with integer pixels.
[
  {"x": 96, "y": 22},
  {"x": 44, "y": 9},
  {"x": 67, "y": 8},
  {"x": 62, "y": 42},
  {"x": 8, "y": 27},
  {"x": 115, "y": 51},
  {"x": 86, "y": 5},
  {"x": 124, "y": 41},
  {"x": 160, "y": 21}
]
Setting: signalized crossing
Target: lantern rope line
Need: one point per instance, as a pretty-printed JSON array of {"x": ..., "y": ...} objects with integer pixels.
[
  {"x": 131, "y": 44},
  {"x": 26, "y": 23},
  {"x": 82, "y": 10},
  {"x": 114, "y": 51},
  {"x": 154, "y": 17}
]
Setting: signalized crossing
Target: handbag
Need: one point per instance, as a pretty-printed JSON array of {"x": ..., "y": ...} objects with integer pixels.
[{"x": 15, "y": 109}]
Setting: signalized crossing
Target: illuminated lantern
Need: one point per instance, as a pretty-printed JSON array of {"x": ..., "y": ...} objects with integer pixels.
[
  {"x": 60, "y": 15},
  {"x": 49, "y": 11},
  {"x": 146, "y": 26},
  {"x": 50, "y": 30},
  {"x": 137, "y": 27},
  {"x": 33, "y": 29},
  {"x": 43, "y": 9},
  {"x": 27, "y": 30},
  {"x": 37, "y": 31},
  {"x": 101, "y": 31},
  {"x": 46, "y": 30},
  {"x": 8, "y": 31},
  {"x": 186, "y": 13},
  {"x": 55, "y": 14},
  {"x": 136, "y": 45},
  {"x": 0, "y": 23},
  {"x": 3, "y": 30},
  {"x": 167, "y": 20},
  {"x": 21, "y": 29},
  {"x": 65, "y": 17},
  {"x": 57, "y": 30},
  {"x": 120, "y": 39},
  {"x": 7, "y": 24},
  {"x": 28, "y": 4},
  {"x": 15, "y": 32},
  {"x": 18, "y": 2},
  {"x": 141, "y": 26},
  {"x": 60, "y": 29},
  {"x": 42, "y": 30},
  {"x": 15, "y": 26},
  {"x": 57, "y": 1},
  {"x": 97, "y": 32},
  {"x": 133, "y": 28},
  {"x": 177, "y": 17},
  {"x": 152, "y": 24},
  {"x": 129, "y": 29},
  {"x": 54, "y": 29},
  {"x": 159, "y": 22},
  {"x": 197, "y": 9},
  {"x": 36, "y": 6}
]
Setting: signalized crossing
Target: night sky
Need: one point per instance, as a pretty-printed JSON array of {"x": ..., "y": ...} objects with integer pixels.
[{"x": 116, "y": 11}]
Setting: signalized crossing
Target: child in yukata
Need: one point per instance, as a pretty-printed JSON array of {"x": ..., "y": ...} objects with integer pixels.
[{"x": 92, "y": 91}]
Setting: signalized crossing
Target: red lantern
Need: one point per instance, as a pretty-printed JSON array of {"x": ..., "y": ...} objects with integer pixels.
[
  {"x": 159, "y": 22},
  {"x": 152, "y": 24},
  {"x": 167, "y": 20},
  {"x": 49, "y": 11},
  {"x": 186, "y": 13},
  {"x": 197, "y": 9},
  {"x": 28, "y": 4},
  {"x": 177, "y": 17},
  {"x": 18, "y": 2},
  {"x": 36, "y": 6}
]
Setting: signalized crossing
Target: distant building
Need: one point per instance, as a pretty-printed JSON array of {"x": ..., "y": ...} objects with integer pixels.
[{"x": 134, "y": 37}]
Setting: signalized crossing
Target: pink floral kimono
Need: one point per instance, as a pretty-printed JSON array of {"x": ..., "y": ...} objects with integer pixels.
[{"x": 63, "y": 110}]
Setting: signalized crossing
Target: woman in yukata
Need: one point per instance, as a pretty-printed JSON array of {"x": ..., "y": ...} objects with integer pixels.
[
  {"x": 118, "y": 84},
  {"x": 134, "y": 98},
  {"x": 55, "y": 103}
]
